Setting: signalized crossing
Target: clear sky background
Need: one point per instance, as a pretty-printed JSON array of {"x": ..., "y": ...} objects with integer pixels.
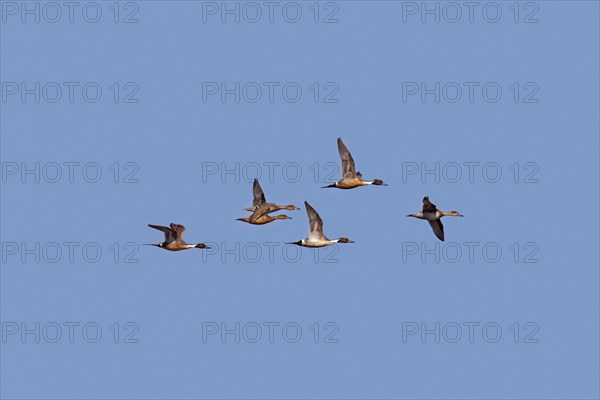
[{"x": 375, "y": 289}]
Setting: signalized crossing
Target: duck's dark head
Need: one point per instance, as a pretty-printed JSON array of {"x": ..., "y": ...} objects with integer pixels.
[
  {"x": 379, "y": 182},
  {"x": 344, "y": 240}
]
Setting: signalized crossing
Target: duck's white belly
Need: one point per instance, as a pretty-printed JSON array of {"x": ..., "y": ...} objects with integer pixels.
[{"x": 315, "y": 243}]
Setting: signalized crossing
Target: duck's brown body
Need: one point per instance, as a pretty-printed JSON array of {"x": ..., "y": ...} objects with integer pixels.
[
  {"x": 272, "y": 207},
  {"x": 179, "y": 247},
  {"x": 263, "y": 219},
  {"x": 174, "y": 238}
]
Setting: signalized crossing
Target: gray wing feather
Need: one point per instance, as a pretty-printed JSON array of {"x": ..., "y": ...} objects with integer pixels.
[
  {"x": 259, "y": 195},
  {"x": 438, "y": 228},
  {"x": 428, "y": 206},
  {"x": 348, "y": 169},
  {"x": 170, "y": 235},
  {"x": 315, "y": 224}
]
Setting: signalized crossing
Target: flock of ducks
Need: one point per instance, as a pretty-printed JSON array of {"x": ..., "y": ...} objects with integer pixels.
[{"x": 261, "y": 209}]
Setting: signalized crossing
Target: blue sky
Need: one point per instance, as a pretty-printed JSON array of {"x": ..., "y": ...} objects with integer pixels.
[{"x": 157, "y": 124}]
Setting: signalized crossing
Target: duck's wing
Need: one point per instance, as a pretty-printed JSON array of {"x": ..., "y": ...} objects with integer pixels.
[
  {"x": 260, "y": 210},
  {"x": 315, "y": 223},
  {"x": 178, "y": 229},
  {"x": 170, "y": 234},
  {"x": 428, "y": 206},
  {"x": 348, "y": 169},
  {"x": 438, "y": 228},
  {"x": 259, "y": 195}
]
